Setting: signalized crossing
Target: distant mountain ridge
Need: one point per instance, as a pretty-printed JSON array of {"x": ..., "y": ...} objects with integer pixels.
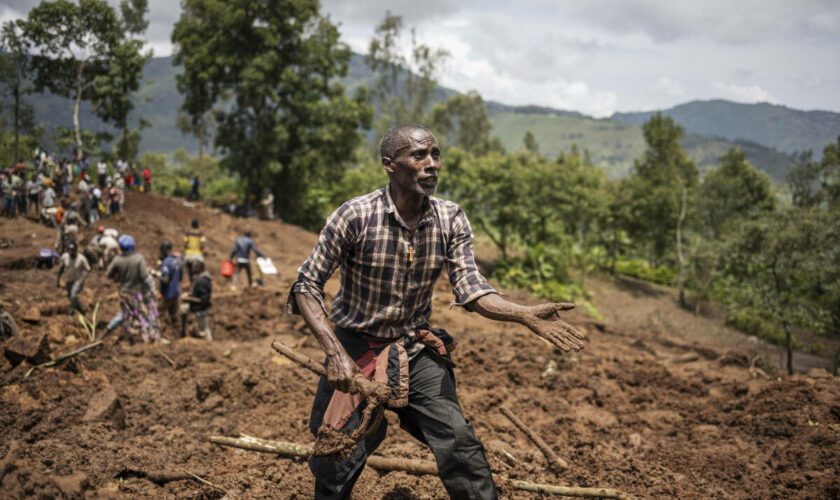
[
  {"x": 613, "y": 143},
  {"x": 779, "y": 127}
]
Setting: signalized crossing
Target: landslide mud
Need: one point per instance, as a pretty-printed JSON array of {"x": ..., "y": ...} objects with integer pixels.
[{"x": 632, "y": 411}]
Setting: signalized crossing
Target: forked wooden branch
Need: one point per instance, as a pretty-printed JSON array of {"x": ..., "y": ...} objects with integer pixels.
[
  {"x": 554, "y": 461},
  {"x": 418, "y": 467}
]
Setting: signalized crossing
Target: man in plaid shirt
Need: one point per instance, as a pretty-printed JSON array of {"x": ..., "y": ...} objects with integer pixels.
[{"x": 391, "y": 246}]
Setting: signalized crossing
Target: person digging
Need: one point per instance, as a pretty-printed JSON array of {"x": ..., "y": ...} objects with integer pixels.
[
  {"x": 77, "y": 268},
  {"x": 391, "y": 246}
]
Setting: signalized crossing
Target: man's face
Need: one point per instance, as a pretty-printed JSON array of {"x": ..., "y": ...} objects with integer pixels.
[
  {"x": 73, "y": 251},
  {"x": 417, "y": 164}
]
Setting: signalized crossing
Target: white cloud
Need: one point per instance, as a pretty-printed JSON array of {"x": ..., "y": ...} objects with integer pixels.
[
  {"x": 596, "y": 55},
  {"x": 744, "y": 93},
  {"x": 670, "y": 86}
]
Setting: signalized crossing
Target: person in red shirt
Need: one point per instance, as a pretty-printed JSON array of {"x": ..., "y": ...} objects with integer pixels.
[{"x": 147, "y": 180}]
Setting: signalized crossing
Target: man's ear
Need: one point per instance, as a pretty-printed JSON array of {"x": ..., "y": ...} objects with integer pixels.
[{"x": 388, "y": 164}]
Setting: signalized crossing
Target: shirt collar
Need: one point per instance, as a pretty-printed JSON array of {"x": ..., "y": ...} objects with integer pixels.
[{"x": 391, "y": 208}]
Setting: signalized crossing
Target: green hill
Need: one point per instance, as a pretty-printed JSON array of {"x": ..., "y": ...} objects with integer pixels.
[
  {"x": 613, "y": 143},
  {"x": 778, "y": 127}
]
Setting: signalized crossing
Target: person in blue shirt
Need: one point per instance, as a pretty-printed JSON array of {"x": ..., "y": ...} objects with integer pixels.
[
  {"x": 241, "y": 256},
  {"x": 171, "y": 273}
]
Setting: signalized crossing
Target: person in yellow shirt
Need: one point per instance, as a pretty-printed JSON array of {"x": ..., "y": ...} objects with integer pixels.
[{"x": 193, "y": 248}]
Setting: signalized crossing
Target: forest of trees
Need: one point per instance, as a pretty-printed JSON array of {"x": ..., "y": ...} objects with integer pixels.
[{"x": 266, "y": 99}]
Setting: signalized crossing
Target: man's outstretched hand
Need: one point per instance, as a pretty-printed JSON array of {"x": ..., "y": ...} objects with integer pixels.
[{"x": 545, "y": 321}]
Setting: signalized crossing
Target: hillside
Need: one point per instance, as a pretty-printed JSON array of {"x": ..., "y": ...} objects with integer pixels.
[
  {"x": 614, "y": 143},
  {"x": 771, "y": 125},
  {"x": 646, "y": 407}
]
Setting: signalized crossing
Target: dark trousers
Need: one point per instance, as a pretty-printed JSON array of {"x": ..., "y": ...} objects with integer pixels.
[
  {"x": 239, "y": 267},
  {"x": 433, "y": 416}
]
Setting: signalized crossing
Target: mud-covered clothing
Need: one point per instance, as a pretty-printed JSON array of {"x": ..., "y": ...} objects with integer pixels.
[
  {"x": 432, "y": 415},
  {"x": 388, "y": 271},
  {"x": 74, "y": 269},
  {"x": 130, "y": 271},
  {"x": 171, "y": 272}
]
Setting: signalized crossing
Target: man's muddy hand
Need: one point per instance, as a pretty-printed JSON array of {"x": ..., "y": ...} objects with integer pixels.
[
  {"x": 545, "y": 321},
  {"x": 341, "y": 370}
]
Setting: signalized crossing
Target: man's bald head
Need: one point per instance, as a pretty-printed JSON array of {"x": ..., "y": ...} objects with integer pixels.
[{"x": 398, "y": 138}]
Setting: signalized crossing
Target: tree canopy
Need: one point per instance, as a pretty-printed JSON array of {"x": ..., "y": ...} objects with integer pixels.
[{"x": 289, "y": 124}]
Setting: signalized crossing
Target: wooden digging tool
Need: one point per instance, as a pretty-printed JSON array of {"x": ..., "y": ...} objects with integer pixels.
[
  {"x": 330, "y": 441},
  {"x": 418, "y": 467},
  {"x": 554, "y": 461}
]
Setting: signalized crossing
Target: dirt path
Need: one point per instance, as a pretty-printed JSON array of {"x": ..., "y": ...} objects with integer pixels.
[{"x": 652, "y": 414}]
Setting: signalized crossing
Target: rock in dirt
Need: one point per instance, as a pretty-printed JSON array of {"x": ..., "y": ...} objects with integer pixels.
[
  {"x": 105, "y": 405},
  {"x": 73, "y": 485},
  {"x": 31, "y": 315},
  {"x": 20, "y": 349}
]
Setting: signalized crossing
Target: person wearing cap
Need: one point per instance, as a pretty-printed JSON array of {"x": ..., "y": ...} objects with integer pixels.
[
  {"x": 75, "y": 268},
  {"x": 240, "y": 254},
  {"x": 138, "y": 310},
  {"x": 171, "y": 274}
]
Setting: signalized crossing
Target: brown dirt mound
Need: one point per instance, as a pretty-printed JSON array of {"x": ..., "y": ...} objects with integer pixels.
[{"x": 631, "y": 411}]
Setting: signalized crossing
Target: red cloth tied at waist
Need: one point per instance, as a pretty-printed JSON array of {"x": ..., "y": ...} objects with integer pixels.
[{"x": 386, "y": 362}]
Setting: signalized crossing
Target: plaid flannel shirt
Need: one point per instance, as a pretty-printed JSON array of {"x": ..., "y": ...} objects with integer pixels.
[{"x": 388, "y": 271}]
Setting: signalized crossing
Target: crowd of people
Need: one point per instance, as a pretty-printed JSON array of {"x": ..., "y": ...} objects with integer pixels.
[
  {"x": 44, "y": 187},
  {"x": 147, "y": 296},
  {"x": 72, "y": 195}
]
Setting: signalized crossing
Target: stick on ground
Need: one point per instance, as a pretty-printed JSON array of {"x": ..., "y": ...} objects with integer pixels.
[
  {"x": 419, "y": 467},
  {"x": 63, "y": 357},
  {"x": 554, "y": 461}
]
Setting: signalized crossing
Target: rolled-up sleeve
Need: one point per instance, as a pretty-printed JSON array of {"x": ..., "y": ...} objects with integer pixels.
[
  {"x": 333, "y": 244},
  {"x": 467, "y": 282}
]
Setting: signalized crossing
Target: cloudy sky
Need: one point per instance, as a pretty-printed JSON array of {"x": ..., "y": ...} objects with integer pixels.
[{"x": 602, "y": 56}]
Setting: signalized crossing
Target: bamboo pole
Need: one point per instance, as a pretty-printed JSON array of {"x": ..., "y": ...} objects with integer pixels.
[
  {"x": 554, "y": 461},
  {"x": 419, "y": 467}
]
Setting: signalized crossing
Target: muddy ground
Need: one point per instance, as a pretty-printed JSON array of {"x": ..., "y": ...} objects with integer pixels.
[{"x": 648, "y": 411}]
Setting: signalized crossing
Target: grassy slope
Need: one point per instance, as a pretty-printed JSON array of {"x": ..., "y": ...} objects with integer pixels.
[
  {"x": 615, "y": 144},
  {"x": 779, "y": 127}
]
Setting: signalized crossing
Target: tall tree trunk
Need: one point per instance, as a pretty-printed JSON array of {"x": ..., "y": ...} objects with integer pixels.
[
  {"x": 613, "y": 247},
  {"x": 680, "y": 256},
  {"x": 788, "y": 347},
  {"x": 76, "y": 105},
  {"x": 201, "y": 139},
  {"x": 16, "y": 92}
]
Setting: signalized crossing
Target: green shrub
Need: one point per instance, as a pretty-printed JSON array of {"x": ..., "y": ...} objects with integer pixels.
[{"x": 640, "y": 268}]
